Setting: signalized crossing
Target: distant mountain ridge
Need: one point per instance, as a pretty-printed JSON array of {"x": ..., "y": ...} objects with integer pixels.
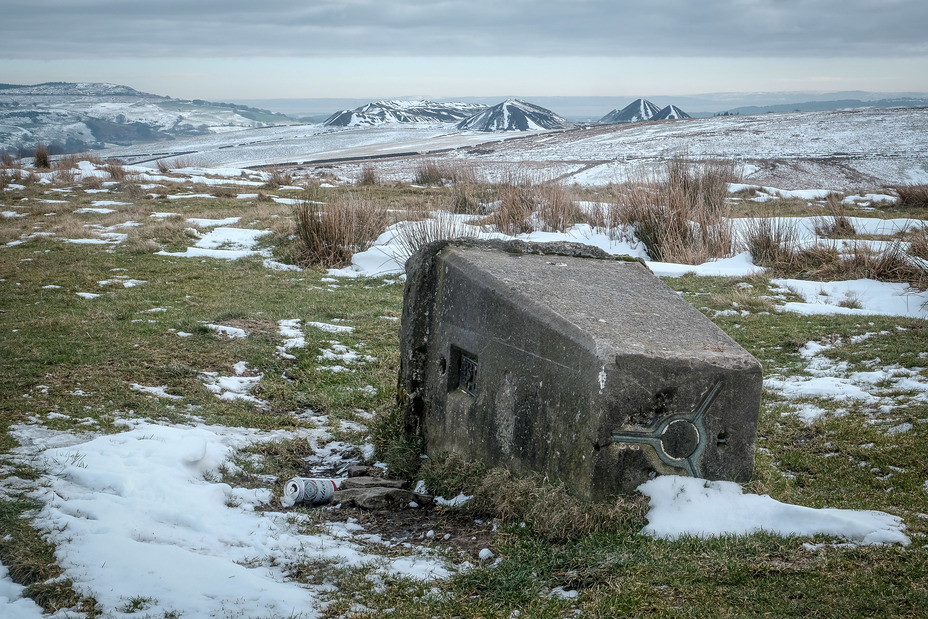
[
  {"x": 74, "y": 89},
  {"x": 821, "y": 106},
  {"x": 385, "y": 112},
  {"x": 513, "y": 115}
]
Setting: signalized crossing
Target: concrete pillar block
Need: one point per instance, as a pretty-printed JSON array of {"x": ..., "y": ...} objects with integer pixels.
[{"x": 561, "y": 359}]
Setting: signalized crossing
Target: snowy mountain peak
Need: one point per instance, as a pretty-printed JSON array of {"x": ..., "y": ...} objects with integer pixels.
[
  {"x": 513, "y": 115},
  {"x": 637, "y": 110},
  {"x": 385, "y": 112},
  {"x": 671, "y": 112}
]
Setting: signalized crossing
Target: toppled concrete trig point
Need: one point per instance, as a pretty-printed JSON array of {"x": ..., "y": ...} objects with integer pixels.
[{"x": 560, "y": 359}]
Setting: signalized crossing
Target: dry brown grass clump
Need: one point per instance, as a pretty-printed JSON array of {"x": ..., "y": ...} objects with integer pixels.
[
  {"x": 682, "y": 215},
  {"x": 513, "y": 213},
  {"x": 771, "y": 241},
  {"x": 557, "y": 209},
  {"x": 775, "y": 246},
  {"x": 890, "y": 264},
  {"x": 918, "y": 241},
  {"x": 278, "y": 178},
  {"x": 604, "y": 216},
  {"x": 329, "y": 234},
  {"x": 41, "y": 158},
  {"x": 431, "y": 172},
  {"x": 7, "y": 160},
  {"x": 469, "y": 198},
  {"x": 65, "y": 176},
  {"x": 219, "y": 191},
  {"x": 469, "y": 193},
  {"x": 524, "y": 206},
  {"x": 131, "y": 186},
  {"x": 439, "y": 225},
  {"x": 368, "y": 176},
  {"x": 69, "y": 226},
  {"x": 92, "y": 182},
  {"x": 912, "y": 195},
  {"x": 166, "y": 165},
  {"x": 67, "y": 162},
  {"x": 116, "y": 171},
  {"x": 836, "y": 224},
  {"x": 9, "y": 173}
]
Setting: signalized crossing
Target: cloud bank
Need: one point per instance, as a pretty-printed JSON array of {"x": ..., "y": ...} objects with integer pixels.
[{"x": 55, "y": 29}]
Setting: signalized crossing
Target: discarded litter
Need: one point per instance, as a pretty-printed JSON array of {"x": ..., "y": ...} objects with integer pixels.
[{"x": 309, "y": 490}]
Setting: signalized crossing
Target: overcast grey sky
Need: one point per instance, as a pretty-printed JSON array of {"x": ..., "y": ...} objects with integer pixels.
[{"x": 236, "y": 49}]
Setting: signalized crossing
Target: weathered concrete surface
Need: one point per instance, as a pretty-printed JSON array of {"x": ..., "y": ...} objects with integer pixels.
[{"x": 558, "y": 359}]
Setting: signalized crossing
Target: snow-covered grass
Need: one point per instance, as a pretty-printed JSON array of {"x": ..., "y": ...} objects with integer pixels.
[{"x": 148, "y": 428}]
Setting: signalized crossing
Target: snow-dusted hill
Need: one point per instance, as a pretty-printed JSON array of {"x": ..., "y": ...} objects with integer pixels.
[
  {"x": 72, "y": 117},
  {"x": 637, "y": 110},
  {"x": 386, "y": 112},
  {"x": 73, "y": 89},
  {"x": 671, "y": 112},
  {"x": 513, "y": 115},
  {"x": 833, "y": 150}
]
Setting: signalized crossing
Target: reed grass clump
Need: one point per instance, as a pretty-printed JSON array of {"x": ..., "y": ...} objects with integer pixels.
[
  {"x": 524, "y": 206},
  {"x": 368, "y": 176},
  {"x": 918, "y": 241},
  {"x": 836, "y": 224},
  {"x": 131, "y": 186},
  {"x": 329, "y": 233},
  {"x": 771, "y": 241},
  {"x": 41, "y": 159},
  {"x": 278, "y": 178},
  {"x": 681, "y": 215},
  {"x": 915, "y": 195},
  {"x": 431, "y": 172},
  {"x": 116, "y": 171},
  {"x": 439, "y": 225}
]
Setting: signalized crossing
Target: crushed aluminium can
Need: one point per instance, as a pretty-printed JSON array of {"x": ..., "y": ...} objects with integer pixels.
[{"x": 308, "y": 490}]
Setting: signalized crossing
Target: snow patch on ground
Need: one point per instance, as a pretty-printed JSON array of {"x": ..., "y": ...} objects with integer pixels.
[
  {"x": 230, "y": 332},
  {"x": 864, "y": 296},
  {"x": 140, "y": 514},
  {"x": 293, "y": 336},
  {"x": 882, "y": 388},
  {"x": 687, "y": 506},
  {"x": 225, "y": 243},
  {"x": 231, "y": 388},
  {"x": 12, "y": 601}
]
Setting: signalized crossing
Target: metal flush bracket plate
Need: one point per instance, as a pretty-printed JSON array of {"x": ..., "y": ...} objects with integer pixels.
[{"x": 678, "y": 440}]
